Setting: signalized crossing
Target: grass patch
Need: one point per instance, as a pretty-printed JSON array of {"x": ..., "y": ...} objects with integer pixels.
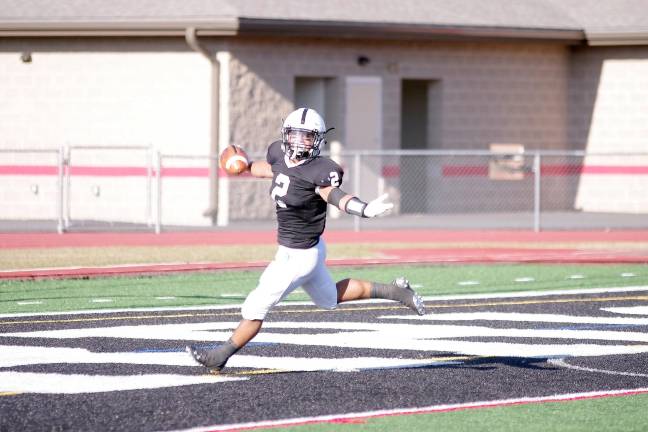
[{"x": 231, "y": 287}]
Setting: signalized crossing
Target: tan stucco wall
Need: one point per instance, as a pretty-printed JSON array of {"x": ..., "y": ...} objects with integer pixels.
[
  {"x": 103, "y": 93},
  {"x": 608, "y": 111}
]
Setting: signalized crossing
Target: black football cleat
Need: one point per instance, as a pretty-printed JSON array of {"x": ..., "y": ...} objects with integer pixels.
[
  {"x": 409, "y": 297},
  {"x": 214, "y": 359}
]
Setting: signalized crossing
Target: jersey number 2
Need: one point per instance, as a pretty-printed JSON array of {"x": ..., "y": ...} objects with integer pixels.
[{"x": 281, "y": 189}]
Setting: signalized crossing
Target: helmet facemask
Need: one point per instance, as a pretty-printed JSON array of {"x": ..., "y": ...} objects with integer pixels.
[{"x": 301, "y": 144}]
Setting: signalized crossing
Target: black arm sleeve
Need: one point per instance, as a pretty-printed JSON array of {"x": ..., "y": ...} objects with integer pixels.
[{"x": 335, "y": 196}]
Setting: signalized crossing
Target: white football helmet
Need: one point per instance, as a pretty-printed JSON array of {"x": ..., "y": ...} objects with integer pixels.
[{"x": 302, "y": 134}]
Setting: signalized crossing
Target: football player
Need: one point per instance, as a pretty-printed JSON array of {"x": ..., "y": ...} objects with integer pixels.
[{"x": 303, "y": 184}]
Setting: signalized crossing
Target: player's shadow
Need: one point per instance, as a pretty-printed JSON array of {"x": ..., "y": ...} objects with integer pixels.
[{"x": 490, "y": 363}]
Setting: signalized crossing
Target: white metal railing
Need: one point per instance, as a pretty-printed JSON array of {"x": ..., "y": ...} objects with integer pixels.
[
  {"x": 67, "y": 152},
  {"x": 159, "y": 167},
  {"x": 60, "y": 152}
]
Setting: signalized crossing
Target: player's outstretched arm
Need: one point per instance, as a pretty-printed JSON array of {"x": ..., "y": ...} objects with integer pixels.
[
  {"x": 261, "y": 169},
  {"x": 354, "y": 205}
]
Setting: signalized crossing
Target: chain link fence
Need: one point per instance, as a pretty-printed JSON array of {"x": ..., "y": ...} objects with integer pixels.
[
  {"x": 537, "y": 190},
  {"x": 137, "y": 188}
]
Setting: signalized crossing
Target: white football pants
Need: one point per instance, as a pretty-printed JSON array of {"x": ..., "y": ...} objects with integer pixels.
[{"x": 290, "y": 269}]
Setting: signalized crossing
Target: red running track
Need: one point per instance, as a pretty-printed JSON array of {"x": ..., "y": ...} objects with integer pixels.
[
  {"x": 495, "y": 254},
  {"x": 53, "y": 240}
]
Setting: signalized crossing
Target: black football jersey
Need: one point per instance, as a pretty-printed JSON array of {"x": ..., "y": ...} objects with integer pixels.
[{"x": 301, "y": 212}]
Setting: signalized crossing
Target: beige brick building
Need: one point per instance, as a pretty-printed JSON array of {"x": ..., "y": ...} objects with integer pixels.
[{"x": 167, "y": 77}]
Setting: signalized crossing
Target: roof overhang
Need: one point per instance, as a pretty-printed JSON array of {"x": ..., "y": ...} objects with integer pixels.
[
  {"x": 221, "y": 27},
  {"x": 394, "y": 31},
  {"x": 285, "y": 28},
  {"x": 608, "y": 38}
]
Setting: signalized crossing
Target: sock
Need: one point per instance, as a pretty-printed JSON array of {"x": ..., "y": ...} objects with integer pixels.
[
  {"x": 217, "y": 357},
  {"x": 389, "y": 292},
  {"x": 402, "y": 294}
]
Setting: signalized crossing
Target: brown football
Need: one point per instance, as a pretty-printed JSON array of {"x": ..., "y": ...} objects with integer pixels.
[{"x": 234, "y": 160}]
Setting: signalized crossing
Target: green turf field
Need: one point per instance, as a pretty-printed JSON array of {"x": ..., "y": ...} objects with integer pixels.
[
  {"x": 627, "y": 414},
  {"x": 231, "y": 287}
]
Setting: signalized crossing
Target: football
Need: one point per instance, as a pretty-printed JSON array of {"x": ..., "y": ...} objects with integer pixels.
[{"x": 234, "y": 160}]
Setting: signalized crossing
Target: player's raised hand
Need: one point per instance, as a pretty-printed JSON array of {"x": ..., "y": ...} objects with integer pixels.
[{"x": 377, "y": 207}]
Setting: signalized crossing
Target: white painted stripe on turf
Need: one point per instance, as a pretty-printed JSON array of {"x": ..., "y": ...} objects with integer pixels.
[
  {"x": 112, "y": 266},
  {"x": 121, "y": 310},
  {"x": 101, "y": 300},
  {"x": 538, "y": 293},
  {"x": 418, "y": 410},
  {"x": 524, "y": 294},
  {"x": 521, "y": 317},
  {"x": 30, "y": 302},
  {"x": 165, "y": 298},
  {"x": 630, "y": 310},
  {"x": 524, "y": 279},
  {"x": 562, "y": 363},
  {"x": 468, "y": 283}
]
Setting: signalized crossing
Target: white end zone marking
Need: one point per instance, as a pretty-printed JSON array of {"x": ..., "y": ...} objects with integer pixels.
[
  {"x": 568, "y": 397},
  {"x": 351, "y": 364},
  {"x": 29, "y": 382},
  {"x": 422, "y": 337},
  {"x": 33, "y": 355},
  {"x": 56, "y": 383}
]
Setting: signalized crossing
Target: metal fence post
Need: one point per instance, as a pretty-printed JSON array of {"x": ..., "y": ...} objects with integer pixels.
[
  {"x": 536, "y": 190},
  {"x": 158, "y": 191},
  {"x": 356, "y": 187},
  {"x": 67, "y": 155},
  {"x": 149, "y": 186},
  {"x": 60, "y": 190}
]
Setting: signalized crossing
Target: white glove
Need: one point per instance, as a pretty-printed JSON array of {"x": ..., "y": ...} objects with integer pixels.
[{"x": 377, "y": 207}]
